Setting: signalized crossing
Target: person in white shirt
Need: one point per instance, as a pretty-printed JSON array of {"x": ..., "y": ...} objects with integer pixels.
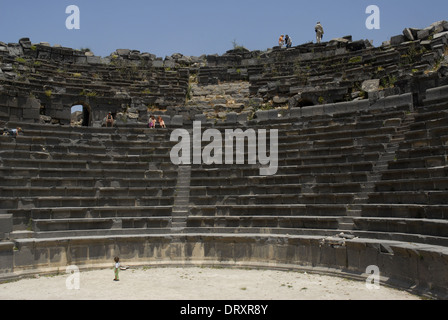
[
  {"x": 12, "y": 132},
  {"x": 117, "y": 268},
  {"x": 319, "y": 32}
]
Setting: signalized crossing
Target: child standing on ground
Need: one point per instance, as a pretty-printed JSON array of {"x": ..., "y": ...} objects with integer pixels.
[{"x": 117, "y": 268}]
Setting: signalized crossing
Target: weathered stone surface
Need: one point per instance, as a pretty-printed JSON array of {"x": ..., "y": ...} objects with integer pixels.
[
  {"x": 123, "y": 52},
  {"x": 423, "y": 34},
  {"x": 408, "y": 34},
  {"x": 371, "y": 85},
  {"x": 396, "y": 40}
]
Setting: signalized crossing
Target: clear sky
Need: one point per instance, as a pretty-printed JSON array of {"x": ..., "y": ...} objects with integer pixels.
[{"x": 196, "y": 27}]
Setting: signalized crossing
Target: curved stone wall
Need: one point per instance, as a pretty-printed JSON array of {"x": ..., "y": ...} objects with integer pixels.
[{"x": 412, "y": 267}]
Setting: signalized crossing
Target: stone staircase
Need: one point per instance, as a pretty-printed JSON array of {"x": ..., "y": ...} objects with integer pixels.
[
  {"x": 355, "y": 209},
  {"x": 182, "y": 200}
]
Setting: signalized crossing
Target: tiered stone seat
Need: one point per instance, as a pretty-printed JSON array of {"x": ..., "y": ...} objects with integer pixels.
[
  {"x": 410, "y": 200},
  {"x": 330, "y": 71},
  {"x": 59, "y": 84},
  {"x": 323, "y": 164},
  {"x": 68, "y": 182}
]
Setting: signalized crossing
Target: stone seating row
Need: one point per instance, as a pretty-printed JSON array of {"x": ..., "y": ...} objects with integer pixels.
[
  {"x": 103, "y": 192},
  {"x": 155, "y": 179},
  {"x": 408, "y": 210},
  {"x": 63, "y": 173},
  {"x": 222, "y": 210},
  {"x": 424, "y": 227},
  {"x": 56, "y": 226},
  {"x": 23, "y": 217},
  {"x": 213, "y": 180},
  {"x": 87, "y": 201},
  {"x": 267, "y": 222}
]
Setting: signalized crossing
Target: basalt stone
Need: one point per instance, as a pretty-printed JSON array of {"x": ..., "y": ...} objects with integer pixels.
[
  {"x": 396, "y": 40},
  {"x": 232, "y": 117},
  {"x": 371, "y": 85},
  {"x": 408, "y": 34},
  {"x": 25, "y": 43},
  {"x": 177, "y": 120},
  {"x": 15, "y": 49},
  {"x": 423, "y": 34},
  {"x": 123, "y": 52}
]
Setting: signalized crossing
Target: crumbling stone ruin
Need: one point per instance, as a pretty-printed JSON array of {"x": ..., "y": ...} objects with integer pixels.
[{"x": 362, "y": 176}]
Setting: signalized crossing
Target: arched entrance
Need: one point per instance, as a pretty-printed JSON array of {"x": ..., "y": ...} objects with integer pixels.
[
  {"x": 81, "y": 115},
  {"x": 304, "y": 102}
]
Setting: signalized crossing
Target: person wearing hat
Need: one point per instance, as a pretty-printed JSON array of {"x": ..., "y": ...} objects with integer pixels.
[
  {"x": 319, "y": 32},
  {"x": 109, "y": 120}
]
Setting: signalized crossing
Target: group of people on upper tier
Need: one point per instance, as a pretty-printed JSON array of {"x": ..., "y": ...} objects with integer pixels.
[
  {"x": 285, "y": 40},
  {"x": 152, "y": 121}
]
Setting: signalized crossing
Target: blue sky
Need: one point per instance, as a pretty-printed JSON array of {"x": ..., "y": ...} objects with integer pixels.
[{"x": 198, "y": 27}]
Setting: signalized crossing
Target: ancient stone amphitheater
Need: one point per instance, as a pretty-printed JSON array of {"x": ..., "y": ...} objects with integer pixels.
[{"x": 362, "y": 147}]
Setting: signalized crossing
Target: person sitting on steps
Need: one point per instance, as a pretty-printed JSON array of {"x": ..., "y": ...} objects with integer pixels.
[
  {"x": 161, "y": 122},
  {"x": 109, "y": 120},
  {"x": 12, "y": 132}
]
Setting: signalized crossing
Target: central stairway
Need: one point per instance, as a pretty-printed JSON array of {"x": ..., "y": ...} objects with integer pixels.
[{"x": 181, "y": 199}]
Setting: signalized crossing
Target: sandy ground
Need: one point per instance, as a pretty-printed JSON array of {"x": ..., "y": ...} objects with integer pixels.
[{"x": 196, "y": 283}]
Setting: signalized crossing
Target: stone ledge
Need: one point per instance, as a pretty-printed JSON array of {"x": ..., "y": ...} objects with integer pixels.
[{"x": 417, "y": 268}]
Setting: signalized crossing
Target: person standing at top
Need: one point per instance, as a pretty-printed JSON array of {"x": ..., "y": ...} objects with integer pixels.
[
  {"x": 281, "y": 41},
  {"x": 319, "y": 32},
  {"x": 288, "y": 41}
]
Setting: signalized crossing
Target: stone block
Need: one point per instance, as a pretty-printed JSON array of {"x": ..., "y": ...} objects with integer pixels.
[
  {"x": 232, "y": 117},
  {"x": 25, "y": 43},
  {"x": 312, "y": 111},
  {"x": 438, "y": 26},
  {"x": 15, "y": 49},
  {"x": 329, "y": 108},
  {"x": 5, "y": 225},
  {"x": 200, "y": 117},
  {"x": 158, "y": 64},
  {"x": 177, "y": 120},
  {"x": 423, "y": 34},
  {"x": 123, "y": 52},
  {"x": 396, "y": 40},
  {"x": 273, "y": 114},
  {"x": 436, "y": 94},
  {"x": 408, "y": 34},
  {"x": 371, "y": 85},
  {"x": 243, "y": 116},
  {"x": 262, "y": 115},
  {"x": 169, "y": 64},
  {"x": 295, "y": 112},
  {"x": 441, "y": 34},
  {"x": 94, "y": 60},
  {"x": 6, "y": 257}
]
